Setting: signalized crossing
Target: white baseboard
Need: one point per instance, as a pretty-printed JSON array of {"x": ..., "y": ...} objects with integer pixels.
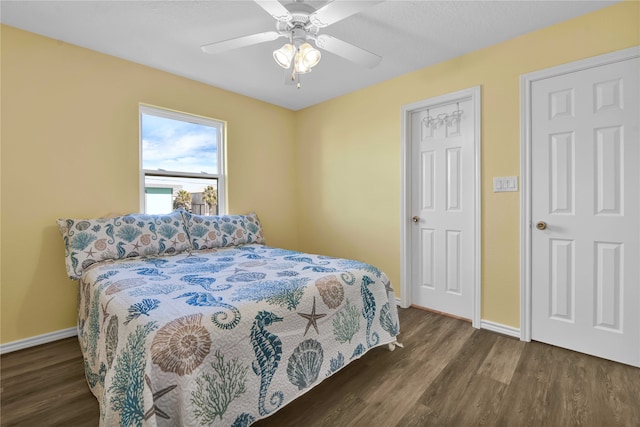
[
  {"x": 500, "y": 328},
  {"x": 37, "y": 340},
  {"x": 489, "y": 326}
]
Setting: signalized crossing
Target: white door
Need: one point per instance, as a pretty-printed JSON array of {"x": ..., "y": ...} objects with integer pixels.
[
  {"x": 585, "y": 187},
  {"x": 443, "y": 208}
]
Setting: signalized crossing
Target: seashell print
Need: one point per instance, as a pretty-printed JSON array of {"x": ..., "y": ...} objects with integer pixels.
[
  {"x": 181, "y": 345},
  {"x": 123, "y": 284},
  {"x": 331, "y": 291},
  {"x": 87, "y": 263},
  {"x": 145, "y": 239},
  {"x": 128, "y": 219},
  {"x": 239, "y": 233},
  {"x": 100, "y": 244},
  {"x": 181, "y": 237},
  {"x": 151, "y": 250},
  {"x": 386, "y": 320},
  {"x": 83, "y": 225},
  {"x": 305, "y": 363},
  {"x": 111, "y": 344},
  {"x": 212, "y": 235}
]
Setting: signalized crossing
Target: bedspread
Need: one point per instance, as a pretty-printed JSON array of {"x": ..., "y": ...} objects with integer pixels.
[{"x": 224, "y": 337}]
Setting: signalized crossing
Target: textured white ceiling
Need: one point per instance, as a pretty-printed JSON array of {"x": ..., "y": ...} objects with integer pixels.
[{"x": 167, "y": 35}]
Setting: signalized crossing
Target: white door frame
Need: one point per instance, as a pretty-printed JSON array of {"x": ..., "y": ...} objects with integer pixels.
[
  {"x": 526, "y": 83},
  {"x": 405, "y": 194}
]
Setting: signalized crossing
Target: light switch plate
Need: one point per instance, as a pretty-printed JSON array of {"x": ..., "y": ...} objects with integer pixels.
[{"x": 505, "y": 183}]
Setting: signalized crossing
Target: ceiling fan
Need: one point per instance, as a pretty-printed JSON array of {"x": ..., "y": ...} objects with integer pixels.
[{"x": 300, "y": 24}]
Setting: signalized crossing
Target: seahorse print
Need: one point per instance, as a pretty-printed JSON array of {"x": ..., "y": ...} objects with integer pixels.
[
  {"x": 268, "y": 350},
  {"x": 369, "y": 310},
  {"x": 219, "y": 318},
  {"x": 243, "y": 420}
]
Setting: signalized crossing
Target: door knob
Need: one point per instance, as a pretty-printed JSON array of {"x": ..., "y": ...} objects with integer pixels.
[
  {"x": 415, "y": 219},
  {"x": 541, "y": 225}
]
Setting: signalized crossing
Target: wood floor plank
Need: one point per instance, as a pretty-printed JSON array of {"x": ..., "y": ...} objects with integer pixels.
[
  {"x": 426, "y": 357},
  {"x": 617, "y": 389},
  {"x": 456, "y": 377},
  {"x": 528, "y": 392},
  {"x": 448, "y": 374},
  {"x": 502, "y": 360}
]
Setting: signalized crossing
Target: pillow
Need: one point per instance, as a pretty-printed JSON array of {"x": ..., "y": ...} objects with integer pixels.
[
  {"x": 88, "y": 241},
  {"x": 254, "y": 229},
  {"x": 207, "y": 232}
]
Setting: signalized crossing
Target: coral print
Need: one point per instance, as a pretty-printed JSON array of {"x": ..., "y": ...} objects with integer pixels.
[{"x": 181, "y": 345}]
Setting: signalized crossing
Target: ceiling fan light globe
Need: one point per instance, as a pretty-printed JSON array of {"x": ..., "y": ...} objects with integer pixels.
[
  {"x": 284, "y": 55},
  {"x": 309, "y": 56},
  {"x": 300, "y": 67}
]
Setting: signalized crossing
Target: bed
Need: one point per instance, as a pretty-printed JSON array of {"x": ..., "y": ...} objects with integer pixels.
[{"x": 193, "y": 320}]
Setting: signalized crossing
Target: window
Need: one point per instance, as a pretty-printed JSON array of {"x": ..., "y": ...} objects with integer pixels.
[{"x": 181, "y": 162}]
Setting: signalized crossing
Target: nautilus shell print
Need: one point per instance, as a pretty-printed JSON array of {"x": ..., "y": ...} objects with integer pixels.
[
  {"x": 181, "y": 345},
  {"x": 100, "y": 244},
  {"x": 331, "y": 291}
]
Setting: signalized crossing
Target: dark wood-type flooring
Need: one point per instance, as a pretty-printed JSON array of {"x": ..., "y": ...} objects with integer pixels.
[{"x": 448, "y": 374}]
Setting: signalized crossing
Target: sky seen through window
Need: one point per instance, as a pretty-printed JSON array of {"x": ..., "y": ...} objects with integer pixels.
[{"x": 178, "y": 146}]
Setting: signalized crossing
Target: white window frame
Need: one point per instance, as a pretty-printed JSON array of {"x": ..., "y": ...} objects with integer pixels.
[{"x": 190, "y": 118}]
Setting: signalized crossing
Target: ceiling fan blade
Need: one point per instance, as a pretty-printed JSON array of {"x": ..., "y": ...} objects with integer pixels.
[
  {"x": 243, "y": 41},
  {"x": 338, "y": 10},
  {"x": 275, "y": 9},
  {"x": 347, "y": 51}
]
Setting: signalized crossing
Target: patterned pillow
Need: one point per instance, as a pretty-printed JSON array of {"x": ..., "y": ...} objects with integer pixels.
[
  {"x": 254, "y": 229},
  {"x": 207, "y": 232},
  {"x": 88, "y": 241}
]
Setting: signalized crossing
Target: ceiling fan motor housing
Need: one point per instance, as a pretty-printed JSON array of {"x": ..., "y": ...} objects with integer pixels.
[{"x": 299, "y": 26}]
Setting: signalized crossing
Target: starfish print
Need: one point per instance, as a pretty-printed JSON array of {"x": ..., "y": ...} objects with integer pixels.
[
  {"x": 175, "y": 242},
  {"x": 89, "y": 252},
  {"x": 312, "y": 318},
  {"x": 157, "y": 395},
  {"x": 206, "y": 240},
  {"x": 136, "y": 246}
]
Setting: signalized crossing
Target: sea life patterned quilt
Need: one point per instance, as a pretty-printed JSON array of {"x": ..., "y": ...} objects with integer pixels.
[{"x": 226, "y": 336}]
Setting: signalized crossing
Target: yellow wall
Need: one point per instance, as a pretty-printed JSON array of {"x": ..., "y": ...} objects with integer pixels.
[
  {"x": 70, "y": 149},
  {"x": 349, "y": 151}
]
